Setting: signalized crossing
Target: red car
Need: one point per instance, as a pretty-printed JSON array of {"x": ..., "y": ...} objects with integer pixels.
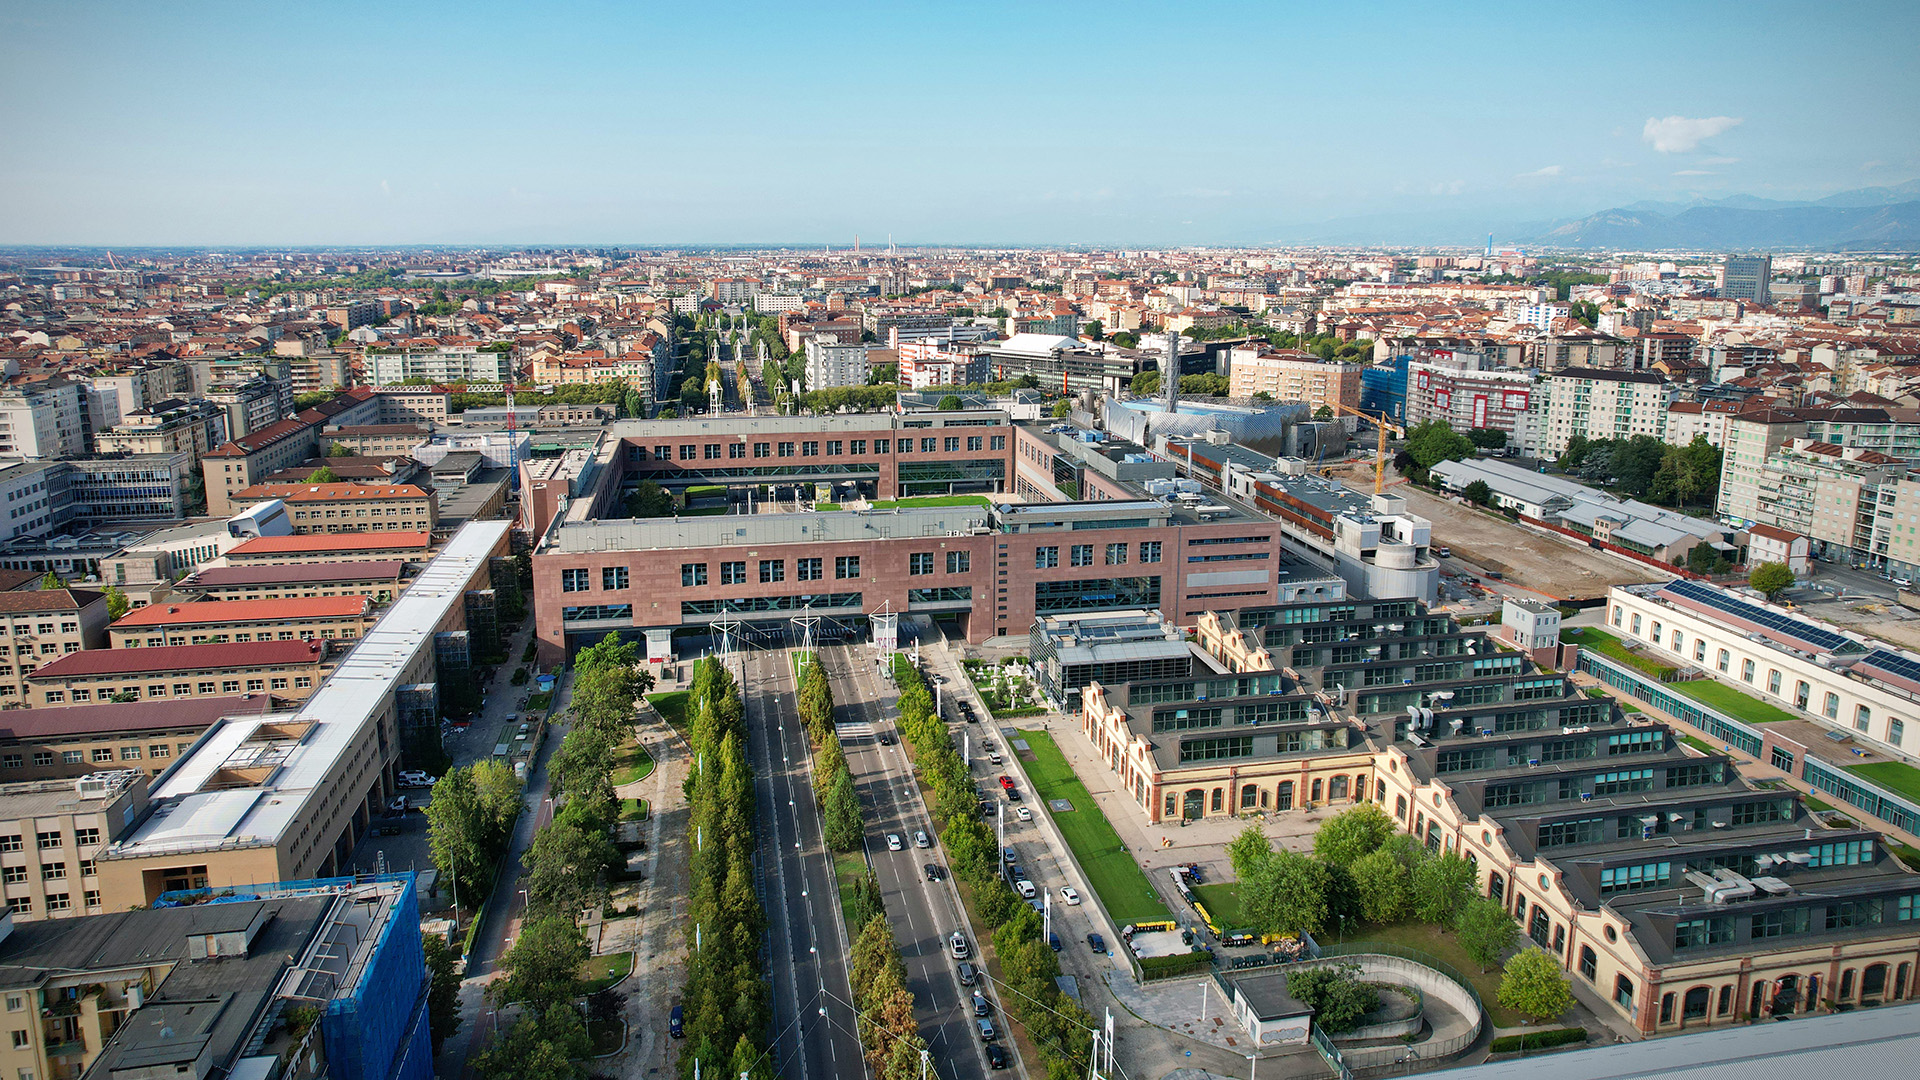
[{"x": 1006, "y": 782}]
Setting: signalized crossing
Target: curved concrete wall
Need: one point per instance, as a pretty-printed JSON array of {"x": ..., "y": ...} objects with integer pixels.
[{"x": 1376, "y": 967}]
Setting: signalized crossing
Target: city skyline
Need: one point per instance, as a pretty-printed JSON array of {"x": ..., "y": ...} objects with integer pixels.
[{"x": 1069, "y": 125}]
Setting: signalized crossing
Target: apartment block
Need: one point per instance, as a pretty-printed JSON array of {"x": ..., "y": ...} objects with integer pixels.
[
  {"x": 1468, "y": 396},
  {"x": 1688, "y": 420},
  {"x": 1292, "y": 375},
  {"x": 213, "y": 623},
  {"x": 444, "y": 363},
  {"x": 45, "y": 419},
  {"x": 348, "y": 507},
  {"x": 1592, "y": 403},
  {"x": 312, "y": 548},
  {"x": 52, "y": 832},
  {"x": 832, "y": 363},
  {"x": 40, "y": 627},
  {"x": 166, "y": 427},
  {"x": 376, "y": 440},
  {"x": 249, "y": 404},
  {"x": 284, "y": 669},
  {"x": 250, "y": 459}
]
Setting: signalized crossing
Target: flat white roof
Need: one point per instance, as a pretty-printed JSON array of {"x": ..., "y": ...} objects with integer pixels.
[{"x": 340, "y": 712}]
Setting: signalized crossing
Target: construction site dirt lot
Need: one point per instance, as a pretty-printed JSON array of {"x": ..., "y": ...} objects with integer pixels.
[{"x": 1558, "y": 567}]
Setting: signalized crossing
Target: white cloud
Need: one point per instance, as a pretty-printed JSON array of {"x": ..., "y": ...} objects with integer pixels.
[
  {"x": 1549, "y": 170},
  {"x": 1678, "y": 134},
  {"x": 1720, "y": 161},
  {"x": 1869, "y": 166},
  {"x": 1696, "y": 172}
]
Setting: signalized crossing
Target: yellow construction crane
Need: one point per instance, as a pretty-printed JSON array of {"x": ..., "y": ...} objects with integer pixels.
[{"x": 1383, "y": 425}]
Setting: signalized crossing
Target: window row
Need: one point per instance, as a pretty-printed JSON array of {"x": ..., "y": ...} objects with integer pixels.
[{"x": 951, "y": 444}]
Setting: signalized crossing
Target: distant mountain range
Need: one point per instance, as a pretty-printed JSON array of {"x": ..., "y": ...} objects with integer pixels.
[{"x": 1868, "y": 219}]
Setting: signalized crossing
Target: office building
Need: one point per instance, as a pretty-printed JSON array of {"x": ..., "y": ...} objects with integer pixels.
[
  {"x": 349, "y": 507},
  {"x": 832, "y": 363},
  {"x": 378, "y": 579},
  {"x": 166, "y": 427},
  {"x": 45, "y": 419},
  {"x": 43, "y": 625},
  {"x": 1292, "y": 375},
  {"x": 71, "y": 741},
  {"x": 288, "y": 670},
  {"x": 213, "y": 623},
  {"x": 441, "y": 363},
  {"x": 1745, "y": 277},
  {"x": 1467, "y": 396}
]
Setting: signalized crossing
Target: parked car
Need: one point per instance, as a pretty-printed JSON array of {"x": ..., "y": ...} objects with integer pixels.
[
  {"x": 1025, "y": 889},
  {"x": 886, "y": 740},
  {"x": 994, "y": 759},
  {"x": 1496, "y": 575},
  {"x": 996, "y": 1056},
  {"x": 980, "y": 1006},
  {"x": 1053, "y": 941},
  {"x": 893, "y": 842},
  {"x": 676, "y": 1023},
  {"x": 921, "y": 839},
  {"x": 935, "y": 872},
  {"x": 1006, "y": 782},
  {"x": 1096, "y": 943},
  {"x": 1013, "y": 794},
  {"x": 987, "y": 1033},
  {"x": 1070, "y": 895},
  {"x": 968, "y": 974},
  {"x": 397, "y": 804},
  {"x": 1444, "y": 552},
  {"x": 957, "y": 945},
  {"x": 417, "y": 778},
  {"x": 1009, "y": 856},
  {"x": 1023, "y": 814}
]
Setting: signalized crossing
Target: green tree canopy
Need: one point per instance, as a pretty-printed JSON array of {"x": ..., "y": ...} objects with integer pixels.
[
  {"x": 1534, "y": 984},
  {"x": 1062, "y": 408},
  {"x": 650, "y": 500},
  {"x": 1771, "y": 579},
  {"x": 1478, "y": 493},
  {"x": 1345, "y": 837},
  {"x": 1287, "y": 894},
  {"x": 443, "y": 992},
  {"x": 340, "y": 450},
  {"x": 1704, "y": 558},
  {"x": 950, "y": 403},
  {"x": 543, "y": 966},
  {"x": 1338, "y": 998},
  {"x": 323, "y": 475},
  {"x": 1145, "y": 384},
  {"x": 117, "y": 603},
  {"x": 1442, "y": 885},
  {"x": 1435, "y": 441},
  {"x": 1486, "y": 930},
  {"x": 1381, "y": 884}
]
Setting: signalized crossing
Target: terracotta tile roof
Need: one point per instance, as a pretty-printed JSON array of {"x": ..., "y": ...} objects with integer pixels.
[
  {"x": 21, "y": 725},
  {"x": 328, "y": 492},
  {"x": 20, "y": 602},
  {"x": 209, "y": 612},
  {"x": 171, "y": 658},
  {"x": 321, "y": 574},
  {"x": 327, "y": 542}
]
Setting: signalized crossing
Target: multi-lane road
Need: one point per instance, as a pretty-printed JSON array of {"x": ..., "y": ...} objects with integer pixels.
[
  {"x": 924, "y": 913},
  {"x": 815, "y": 1034}
]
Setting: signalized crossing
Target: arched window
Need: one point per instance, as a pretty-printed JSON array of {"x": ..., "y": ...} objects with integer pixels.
[
  {"x": 1846, "y": 984},
  {"x": 1219, "y": 799},
  {"x": 1359, "y": 786},
  {"x": 1589, "y": 963},
  {"x": 1400, "y": 807},
  {"x": 1496, "y": 884},
  {"x": 1623, "y": 990},
  {"x": 1900, "y": 983},
  {"x": 1316, "y": 790},
  {"x": 1249, "y": 796},
  {"x": 1541, "y": 926},
  {"x": 1695, "y": 1005},
  {"x": 1726, "y": 1000},
  {"x": 1337, "y": 789},
  {"x": 1283, "y": 798},
  {"x": 1559, "y": 940}
]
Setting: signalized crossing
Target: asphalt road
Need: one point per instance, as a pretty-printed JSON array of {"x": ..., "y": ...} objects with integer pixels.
[
  {"x": 816, "y": 1035},
  {"x": 924, "y": 914}
]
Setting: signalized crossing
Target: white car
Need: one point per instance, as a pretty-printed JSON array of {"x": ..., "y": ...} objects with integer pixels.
[
  {"x": 1025, "y": 889},
  {"x": 921, "y": 839},
  {"x": 957, "y": 946},
  {"x": 1068, "y": 894},
  {"x": 417, "y": 778},
  {"x": 1024, "y": 814},
  {"x": 893, "y": 842}
]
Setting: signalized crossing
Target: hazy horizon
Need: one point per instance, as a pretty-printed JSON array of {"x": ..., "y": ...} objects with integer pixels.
[{"x": 1090, "y": 125}]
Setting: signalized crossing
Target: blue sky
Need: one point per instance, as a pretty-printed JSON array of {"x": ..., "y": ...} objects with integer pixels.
[{"x": 1095, "y": 123}]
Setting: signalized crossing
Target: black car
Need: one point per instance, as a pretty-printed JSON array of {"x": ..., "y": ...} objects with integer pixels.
[
  {"x": 935, "y": 872},
  {"x": 674, "y": 1026},
  {"x": 886, "y": 740},
  {"x": 1097, "y": 943},
  {"x": 996, "y": 1056}
]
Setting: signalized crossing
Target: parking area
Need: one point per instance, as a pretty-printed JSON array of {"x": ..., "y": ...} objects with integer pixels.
[{"x": 1549, "y": 564}]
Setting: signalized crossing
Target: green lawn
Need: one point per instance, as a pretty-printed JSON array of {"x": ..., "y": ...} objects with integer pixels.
[
  {"x": 912, "y": 502},
  {"x": 1222, "y": 901},
  {"x": 1445, "y": 947},
  {"x": 1698, "y": 744},
  {"x": 671, "y": 705},
  {"x": 1897, "y": 777},
  {"x": 630, "y": 763},
  {"x": 1588, "y": 637},
  {"x": 1738, "y": 705},
  {"x": 601, "y": 972},
  {"x": 633, "y": 809},
  {"x": 1111, "y": 869}
]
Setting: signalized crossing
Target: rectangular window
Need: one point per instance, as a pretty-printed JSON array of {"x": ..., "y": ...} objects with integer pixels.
[
  {"x": 996, "y": 442},
  {"x": 952, "y": 444},
  {"x": 1783, "y": 760},
  {"x": 919, "y": 563},
  {"x": 1232, "y": 746},
  {"x": 833, "y": 447},
  {"x": 42, "y": 759},
  {"x": 613, "y": 578},
  {"x": 1082, "y": 555},
  {"x": 1773, "y": 924},
  {"x": 1117, "y": 554},
  {"x": 132, "y": 753},
  {"x": 1149, "y": 551},
  {"x": 857, "y": 447},
  {"x": 47, "y": 841},
  {"x": 1700, "y": 933},
  {"x": 575, "y": 580},
  {"x": 736, "y": 451},
  {"x": 846, "y": 566},
  {"x": 973, "y": 443},
  {"x": 959, "y": 562},
  {"x": 688, "y": 451},
  {"x": 761, "y": 449},
  {"x": 1615, "y": 879},
  {"x": 712, "y": 451},
  {"x": 810, "y": 448},
  {"x": 733, "y": 572},
  {"x": 880, "y": 445},
  {"x": 103, "y": 754},
  {"x": 927, "y": 445},
  {"x": 692, "y": 574},
  {"x": 1623, "y": 780},
  {"x": 1843, "y": 853},
  {"x": 1896, "y": 728},
  {"x": 772, "y": 570},
  {"x": 1649, "y": 741},
  {"x": 786, "y": 449},
  {"x": 807, "y": 570},
  {"x": 1046, "y": 558},
  {"x": 53, "y": 871}
]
